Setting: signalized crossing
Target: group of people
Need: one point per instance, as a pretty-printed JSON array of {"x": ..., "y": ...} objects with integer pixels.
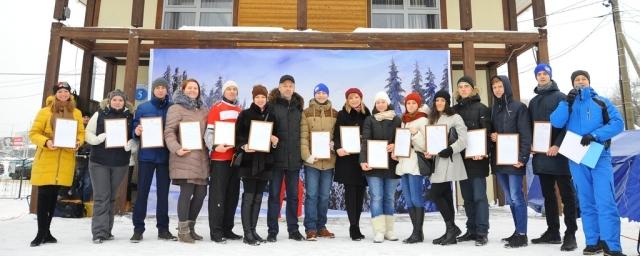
[{"x": 219, "y": 170}]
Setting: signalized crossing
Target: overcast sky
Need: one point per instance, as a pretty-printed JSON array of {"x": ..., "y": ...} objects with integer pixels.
[{"x": 573, "y": 44}]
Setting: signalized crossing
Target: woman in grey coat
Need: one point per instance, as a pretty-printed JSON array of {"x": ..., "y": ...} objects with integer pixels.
[{"x": 449, "y": 166}]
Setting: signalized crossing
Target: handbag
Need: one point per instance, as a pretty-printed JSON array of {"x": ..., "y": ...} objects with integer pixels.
[
  {"x": 236, "y": 159},
  {"x": 426, "y": 166}
]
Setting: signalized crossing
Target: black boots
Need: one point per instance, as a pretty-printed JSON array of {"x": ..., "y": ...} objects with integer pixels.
[
  {"x": 548, "y": 237},
  {"x": 569, "y": 242},
  {"x": 354, "y": 233},
  {"x": 452, "y": 233},
  {"x": 255, "y": 213},
  {"x": 518, "y": 240},
  {"x": 249, "y": 215},
  {"x": 468, "y": 236},
  {"x": 417, "y": 219}
]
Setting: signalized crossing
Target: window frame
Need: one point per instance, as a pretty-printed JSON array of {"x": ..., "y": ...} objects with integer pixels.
[
  {"x": 407, "y": 10},
  {"x": 195, "y": 8}
]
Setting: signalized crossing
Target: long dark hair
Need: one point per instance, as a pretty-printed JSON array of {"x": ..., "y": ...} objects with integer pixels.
[{"x": 434, "y": 116}]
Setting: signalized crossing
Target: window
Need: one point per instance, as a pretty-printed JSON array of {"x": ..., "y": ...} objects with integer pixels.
[
  {"x": 178, "y": 13},
  {"x": 405, "y": 14}
]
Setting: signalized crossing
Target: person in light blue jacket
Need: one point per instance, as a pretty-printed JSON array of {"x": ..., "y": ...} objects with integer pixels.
[{"x": 596, "y": 119}]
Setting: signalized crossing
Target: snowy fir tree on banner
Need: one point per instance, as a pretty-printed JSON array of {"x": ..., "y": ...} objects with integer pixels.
[
  {"x": 394, "y": 88},
  {"x": 416, "y": 83},
  {"x": 431, "y": 87},
  {"x": 215, "y": 93},
  {"x": 444, "y": 82}
]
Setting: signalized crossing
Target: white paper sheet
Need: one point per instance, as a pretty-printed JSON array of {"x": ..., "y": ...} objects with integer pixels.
[
  {"x": 320, "y": 145},
  {"x": 224, "y": 133},
  {"x": 476, "y": 143},
  {"x": 541, "y": 137},
  {"x": 65, "y": 133},
  {"x": 377, "y": 156},
  {"x": 260, "y": 136},
  {"x": 436, "y": 138},
  {"x": 152, "y": 135},
  {"x": 116, "y": 130},
  {"x": 190, "y": 136},
  {"x": 507, "y": 148},
  {"x": 350, "y": 138},
  {"x": 571, "y": 147},
  {"x": 402, "y": 143}
]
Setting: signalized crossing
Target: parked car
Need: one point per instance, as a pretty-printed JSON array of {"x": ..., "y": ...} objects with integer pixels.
[{"x": 24, "y": 170}]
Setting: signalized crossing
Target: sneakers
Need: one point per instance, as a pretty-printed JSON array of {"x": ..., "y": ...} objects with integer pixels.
[
  {"x": 295, "y": 235},
  {"x": 164, "y": 235},
  {"x": 481, "y": 240},
  {"x": 137, "y": 237},
  {"x": 468, "y": 236},
  {"x": 569, "y": 243},
  {"x": 272, "y": 238},
  {"x": 517, "y": 241},
  {"x": 593, "y": 249},
  {"x": 548, "y": 237},
  {"x": 324, "y": 232},
  {"x": 312, "y": 235}
]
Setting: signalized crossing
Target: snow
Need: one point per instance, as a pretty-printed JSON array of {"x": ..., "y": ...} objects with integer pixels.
[{"x": 17, "y": 228}]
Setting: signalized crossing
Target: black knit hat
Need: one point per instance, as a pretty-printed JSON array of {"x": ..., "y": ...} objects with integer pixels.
[
  {"x": 61, "y": 85},
  {"x": 443, "y": 94},
  {"x": 467, "y": 79},
  {"x": 579, "y": 73}
]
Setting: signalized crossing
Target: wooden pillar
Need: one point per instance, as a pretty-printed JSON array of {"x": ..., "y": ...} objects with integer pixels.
[
  {"x": 302, "y": 14},
  {"x": 512, "y": 66},
  {"x": 137, "y": 13},
  {"x": 131, "y": 71},
  {"x": 469, "y": 59},
  {"x": 466, "y": 21},
  {"x": 59, "y": 9},
  {"x": 53, "y": 61},
  {"x": 543, "y": 47},
  {"x": 86, "y": 81},
  {"x": 109, "y": 78},
  {"x": 539, "y": 13}
]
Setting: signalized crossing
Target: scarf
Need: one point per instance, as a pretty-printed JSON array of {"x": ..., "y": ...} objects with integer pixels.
[
  {"x": 408, "y": 117},
  {"x": 385, "y": 115}
]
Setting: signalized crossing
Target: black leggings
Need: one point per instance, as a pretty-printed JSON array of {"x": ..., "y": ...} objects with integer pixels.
[
  {"x": 353, "y": 199},
  {"x": 47, "y": 199},
  {"x": 254, "y": 186},
  {"x": 190, "y": 201},
  {"x": 442, "y": 195}
]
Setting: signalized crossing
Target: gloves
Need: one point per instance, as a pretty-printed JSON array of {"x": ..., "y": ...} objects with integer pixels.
[
  {"x": 587, "y": 139},
  {"x": 447, "y": 152},
  {"x": 208, "y": 138},
  {"x": 571, "y": 97},
  {"x": 102, "y": 137}
]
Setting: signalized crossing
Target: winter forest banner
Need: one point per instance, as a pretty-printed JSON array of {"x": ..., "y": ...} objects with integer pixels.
[{"x": 397, "y": 72}]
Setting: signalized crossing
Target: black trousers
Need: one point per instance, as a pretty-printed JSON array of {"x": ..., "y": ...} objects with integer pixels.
[
  {"x": 353, "y": 199},
  {"x": 224, "y": 191},
  {"x": 443, "y": 197},
  {"x": 568, "y": 195},
  {"x": 47, "y": 199}
]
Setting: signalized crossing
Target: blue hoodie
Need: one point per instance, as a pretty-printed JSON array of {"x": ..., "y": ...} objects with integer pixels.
[{"x": 153, "y": 108}]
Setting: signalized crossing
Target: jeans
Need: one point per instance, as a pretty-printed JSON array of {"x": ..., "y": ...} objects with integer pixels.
[
  {"x": 476, "y": 205},
  {"x": 412, "y": 190},
  {"x": 274, "y": 199},
  {"x": 318, "y": 187},
  {"x": 382, "y": 192},
  {"x": 512, "y": 188},
  {"x": 146, "y": 171}
]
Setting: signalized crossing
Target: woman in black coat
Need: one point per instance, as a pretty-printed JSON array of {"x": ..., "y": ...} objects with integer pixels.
[
  {"x": 255, "y": 166},
  {"x": 348, "y": 171}
]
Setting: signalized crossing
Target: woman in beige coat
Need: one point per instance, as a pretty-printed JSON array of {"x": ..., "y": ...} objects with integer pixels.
[{"x": 187, "y": 168}]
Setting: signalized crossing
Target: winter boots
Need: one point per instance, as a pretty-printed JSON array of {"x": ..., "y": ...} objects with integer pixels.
[
  {"x": 378, "y": 224},
  {"x": 184, "y": 232},
  {"x": 417, "y": 219}
]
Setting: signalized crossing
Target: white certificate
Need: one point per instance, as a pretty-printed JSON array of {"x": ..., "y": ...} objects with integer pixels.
[
  {"x": 350, "y": 138},
  {"x": 224, "y": 133},
  {"x": 377, "y": 156},
  {"x": 260, "y": 136},
  {"x": 507, "y": 149},
  {"x": 571, "y": 147},
  {"x": 152, "y": 134},
  {"x": 65, "y": 133},
  {"x": 541, "y": 137},
  {"x": 476, "y": 143},
  {"x": 320, "y": 145},
  {"x": 116, "y": 130},
  {"x": 436, "y": 138},
  {"x": 190, "y": 136},
  {"x": 402, "y": 143}
]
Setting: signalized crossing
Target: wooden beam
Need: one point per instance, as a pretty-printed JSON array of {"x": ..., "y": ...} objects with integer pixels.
[
  {"x": 137, "y": 13},
  {"x": 302, "y": 14},
  {"x": 539, "y": 13},
  {"x": 466, "y": 21},
  {"x": 236, "y": 10},
  {"x": 512, "y": 66},
  {"x": 543, "y": 47},
  {"x": 469, "y": 59},
  {"x": 109, "y": 79},
  {"x": 443, "y": 14},
  {"x": 160, "y": 13},
  {"x": 58, "y": 9},
  {"x": 369, "y": 13},
  {"x": 86, "y": 81},
  {"x": 120, "y": 62},
  {"x": 53, "y": 61},
  {"x": 89, "y": 13},
  {"x": 131, "y": 71},
  {"x": 461, "y": 67}
]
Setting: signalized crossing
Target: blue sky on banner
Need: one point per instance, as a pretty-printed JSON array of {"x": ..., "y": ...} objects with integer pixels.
[{"x": 338, "y": 69}]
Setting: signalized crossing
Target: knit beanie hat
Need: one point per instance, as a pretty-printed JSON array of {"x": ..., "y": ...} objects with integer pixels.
[
  {"x": 443, "y": 94},
  {"x": 352, "y": 90},
  {"x": 259, "y": 90},
  {"x": 580, "y": 73},
  {"x": 542, "y": 67},
  {"x": 382, "y": 96},
  {"x": 116, "y": 93},
  {"x": 468, "y": 80},
  {"x": 61, "y": 85},
  {"x": 321, "y": 88},
  {"x": 414, "y": 96},
  {"x": 228, "y": 84},
  {"x": 160, "y": 82}
]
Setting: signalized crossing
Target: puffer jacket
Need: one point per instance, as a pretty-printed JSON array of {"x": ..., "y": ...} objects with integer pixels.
[
  {"x": 288, "y": 114},
  {"x": 317, "y": 118},
  {"x": 153, "y": 108},
  {"x": 476, "y": 116}
]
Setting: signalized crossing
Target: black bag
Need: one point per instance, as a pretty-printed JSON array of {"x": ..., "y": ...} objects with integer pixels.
[
  {"x": 426, "y": 166},
  {"x": 69, "y": 209},
  {"x": 236, "y": 160}
]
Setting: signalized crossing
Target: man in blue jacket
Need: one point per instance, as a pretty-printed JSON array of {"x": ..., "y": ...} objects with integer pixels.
[
  {"x": 594, "y": 118},
  {"x": 150, "y": 160}
]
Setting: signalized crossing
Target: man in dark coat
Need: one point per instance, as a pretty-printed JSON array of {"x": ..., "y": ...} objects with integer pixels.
[
  {"x": 287, "y": 107},
  {"x": 552, "y": 168}
]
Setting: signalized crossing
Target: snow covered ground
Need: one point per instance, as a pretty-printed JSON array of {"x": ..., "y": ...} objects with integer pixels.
[{"x": 17, "y": 228}]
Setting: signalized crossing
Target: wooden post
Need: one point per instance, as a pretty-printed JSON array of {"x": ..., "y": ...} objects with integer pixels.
[
  {"x": 53, "y": 61},
  {"x": 466, "y": 21},
  {"x": 302, "y": 14},
  {"x": 543, "y": 47},
  {"x": 58, "y": 9},
  {"x": 469, "y": 59},
  {"x": 86, "y": 80},
  {"x": 137, "y": 13},
  {"x": 131, "y": 71},
  {"x": 539, "y": 13},
  {"x": 109, "y": 79},
  {"x": 512, "y": 66}
]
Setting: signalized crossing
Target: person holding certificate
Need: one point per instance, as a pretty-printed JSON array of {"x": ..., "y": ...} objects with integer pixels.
[
  {"x": 448, "y": 164},
  {"x": 411, "y": 181},
  {"x": 511, "y": 116},
  {"x": 382, "y": 182},
  {"x": 348, "y": 170},
  {"x": 225, "y": 181},
  {"x": 54, "y": 166},
  {"x": 597, "y": 120},
  {"x": 152, "y": 160},
  {"x": 255, "y": 167},
  {"x": 318, "y": 170},
  {"x": 188, "y": 168},
  {"x": 552, "y": 168},
  {"x": 108, "y": 165},
  {"x": 474, "y": 189}
]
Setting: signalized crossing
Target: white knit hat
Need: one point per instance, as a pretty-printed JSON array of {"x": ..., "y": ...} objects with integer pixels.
[
  {"x": 382, "y": 96},
  {"x": 228, "y": 84}
]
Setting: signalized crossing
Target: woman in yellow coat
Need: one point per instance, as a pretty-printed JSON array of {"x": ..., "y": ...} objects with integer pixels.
[{"x": 53, "y": 167}]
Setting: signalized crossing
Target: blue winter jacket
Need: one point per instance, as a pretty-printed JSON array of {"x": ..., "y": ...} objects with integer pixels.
[
  {"x": 153, "y": 108},
  {"x": 586, "y": 116}
]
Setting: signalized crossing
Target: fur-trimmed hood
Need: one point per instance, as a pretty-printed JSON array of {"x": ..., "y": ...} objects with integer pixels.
[
  {"x": 104, "y": 105},
  {"x": 296, "y": 100}
]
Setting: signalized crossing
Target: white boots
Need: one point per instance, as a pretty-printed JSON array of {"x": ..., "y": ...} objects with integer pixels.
[{"x": 383, "y": 228}]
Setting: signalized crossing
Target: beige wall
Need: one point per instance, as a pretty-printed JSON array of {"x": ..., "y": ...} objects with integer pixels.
[
  {"x": 486, "y": 14},
  {"x": 143, "y": 76},
  {"x": 117, "y": 13}
]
